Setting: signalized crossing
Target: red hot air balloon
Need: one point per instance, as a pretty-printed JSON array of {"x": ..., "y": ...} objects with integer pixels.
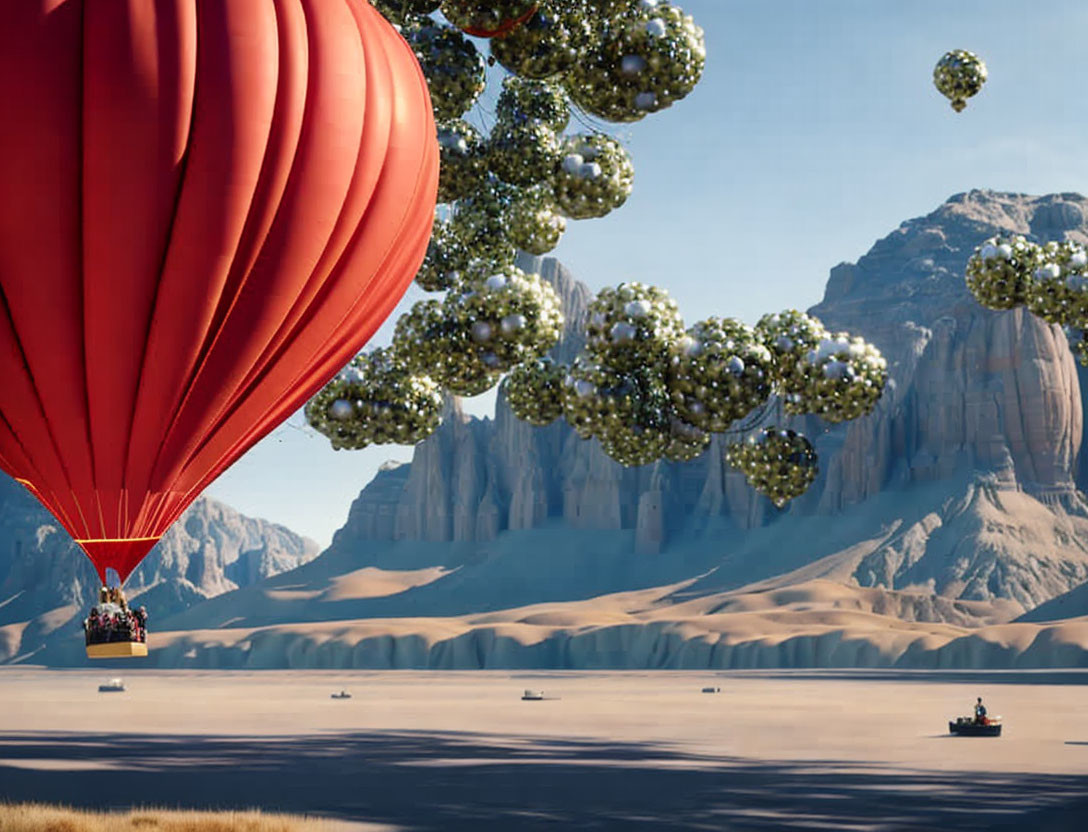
[{"x": 206, "y": 209}]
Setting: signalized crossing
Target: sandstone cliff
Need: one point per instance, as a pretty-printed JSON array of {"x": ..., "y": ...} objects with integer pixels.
[{"x": 988, "y": 400}]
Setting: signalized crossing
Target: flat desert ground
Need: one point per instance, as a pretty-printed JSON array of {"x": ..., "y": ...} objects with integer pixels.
[{"x": 859, "y": 750}]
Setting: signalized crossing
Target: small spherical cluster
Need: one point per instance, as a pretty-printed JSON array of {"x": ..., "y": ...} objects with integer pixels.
[
  {"x": 446, "y": 260},
  {"x": 525, "y": 101},
  {"x": 789, "y": 336},
  {"x": 842, "y": 378},
  {"x": 546, "y": 44},
  {"x": 1058, "y": 290},
  {"x": 632, "y": 326},
  {"x": 452, "y": 65},
  {"x": 718, "y": 373},
  {"x": 401, "y": 12},
  {"x": 487, "y": 18},
  {"x": 780, "y": 464},
  {"x": 524, "y": 154},
  {"x": 638, "y": 441},
  {"x": 535, "y": 390},
  {"x": 627, "y": 411},
  {"x": 535, "y": 224},
  {"x": 647, "y": 59},
  {"x": 959, "y": 74},
  {"x": 599, "y": 398},
  {"x": 376, "y": 401},
  {"x": 686, "y": 442},
  {"x": 430, "y": 342},
  {"x": 462, "y": 160},
  {"x": 595, "y": 176},
  {"x": 509, "y": 316},
  {"x": 1000, "y": 270},
  {"x": 481, "y": 223}
]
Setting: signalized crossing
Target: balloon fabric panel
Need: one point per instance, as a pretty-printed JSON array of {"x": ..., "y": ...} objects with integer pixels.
[{"x": 209, "y": 207}]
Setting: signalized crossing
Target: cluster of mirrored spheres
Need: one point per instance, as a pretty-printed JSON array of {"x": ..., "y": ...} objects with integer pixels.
[
  {"x": 646, "y": 387},
  {"x": 1050, "y": 279},
  {"x": 959, "y": 75}
]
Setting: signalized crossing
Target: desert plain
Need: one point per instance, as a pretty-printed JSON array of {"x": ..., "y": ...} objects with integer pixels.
[{"x": 858, "y": 750}]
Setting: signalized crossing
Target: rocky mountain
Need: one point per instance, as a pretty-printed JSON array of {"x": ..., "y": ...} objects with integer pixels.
[
  {"x": 46, "y": 580},
  {"x": 952, "y": 509},
  {"x": 990, "y": 402}
]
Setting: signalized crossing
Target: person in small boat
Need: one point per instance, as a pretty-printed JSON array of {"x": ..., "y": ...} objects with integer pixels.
[{"x": 980, "y": 712}]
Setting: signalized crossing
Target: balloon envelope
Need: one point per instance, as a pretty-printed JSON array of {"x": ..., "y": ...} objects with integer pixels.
[{"x": 206, "y": 209}]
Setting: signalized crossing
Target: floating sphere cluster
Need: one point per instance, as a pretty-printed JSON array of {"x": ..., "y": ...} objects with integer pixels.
[
  {"x": 523, "y": 154},
  {"x": 535, "y": 224},
  {"x": 632, "y": 327},
  {"x": 594, "y": 176},
  {"x": 959, "y": 75},
  {"x": 400, "y": 12},
  {"x": 376, "y": 400},
  {"x": 446, "y": 260},
  {"x": 718, "y": 373},
  {"x": 462, "y": 160},
  {"x": 1000, "y": 271},
  {"x": 840, "y": 379},
  {"x": 510, "y": 316},
  {"x": 545, "y": 45},
  {"x": 647, "y": 59},
  {"x": 535, "y": 391},
  {"x": 525, "y": 101},
  {"x": 452, "y": 65},
  {"x": 487, "y": 18},
  {"x": 481, "y": 222},
  {"x": 1058, "y": 289},
  {"x": 788, "y": 336},
  {"x": 779, "y": 463}
]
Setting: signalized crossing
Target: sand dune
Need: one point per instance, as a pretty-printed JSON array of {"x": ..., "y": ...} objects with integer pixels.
[{"x": 817, "y": 623}]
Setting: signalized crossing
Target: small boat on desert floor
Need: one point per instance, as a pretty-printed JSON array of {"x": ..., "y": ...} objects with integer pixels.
[
  {"x": 341, "y": 695},
  {"x": 112, "y": 686},
  {"x": 532, "y": 695},
  {"x": 967, "y": 726}
]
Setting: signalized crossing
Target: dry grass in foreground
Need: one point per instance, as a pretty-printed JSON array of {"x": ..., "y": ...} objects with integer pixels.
[{"x": 33, "y": 817}]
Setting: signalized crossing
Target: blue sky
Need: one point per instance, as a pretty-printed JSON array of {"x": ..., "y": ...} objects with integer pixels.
[{"x": 816, "y": 130}]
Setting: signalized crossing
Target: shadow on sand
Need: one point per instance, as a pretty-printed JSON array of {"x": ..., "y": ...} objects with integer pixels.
[{"x": 428, "y": 782}]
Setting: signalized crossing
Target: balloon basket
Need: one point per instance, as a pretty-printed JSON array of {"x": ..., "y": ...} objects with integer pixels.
[{"x": 116, "y": 650}]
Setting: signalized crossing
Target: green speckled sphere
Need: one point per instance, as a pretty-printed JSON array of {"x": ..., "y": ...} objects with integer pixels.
[
  {"x": 484, "y": 18},
  {"x": 447, "y": 259},
  {"x": 1058, "y": 289},
  {"x": 780, "y": 464},
  {"x": 376, "y": 400},
  {"x": 789, "y": 335},
  {"x": 686, "y": 442},
  {"x": 535, "y": 391},
  {"x": 718, "y": 373},
  {"x": 1000, "y": 271},
  {"x": 840, "y": 379},
  {"x": 481, "y": 223},
  {"x": 452, "y": 65},
  {"x": 462, "y": 160},
  {"x": 646, "y": 60},
  {"x": 547, "y": 44},
  {"x": 509, "y": 316},
  {"x": 959, "y": 74},
  {"x": 594, "y": 177},
  {"x": 401, "y": 12},
  {"x": 525, "y": 101},
  {"x": 633, "y": 326},
  {"x": 535, "y": 224},
  {"x": 525, "y": 155}
]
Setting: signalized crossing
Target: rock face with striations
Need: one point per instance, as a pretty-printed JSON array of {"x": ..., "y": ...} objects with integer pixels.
[
  {"x": 990, "y": 400},
  {"x": 45, "y": 580}
]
